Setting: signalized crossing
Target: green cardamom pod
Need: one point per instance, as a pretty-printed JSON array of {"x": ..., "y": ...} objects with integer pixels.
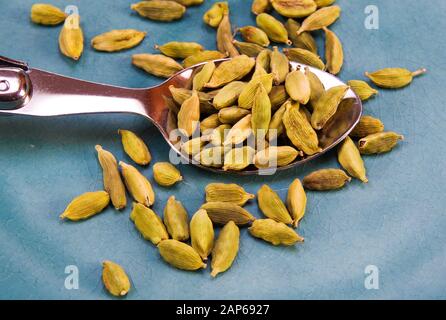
[
  {"x": 86, "y": 206},
  {"x": 202, "y": 56},
  {"x": 379, "y": 142},
  {"x": 326, "y": 179},
  {"x": 228, "y": 95},
  {"x": 166, "y": 174},
  {"x": 223, "y": 212},
  {"x": 305, "y": 57},
  {"x": 280, "y": 66},
  {"x": 261, "y": 112},
  {"x": 159, "y": 10},
  {"x": 274, "y": 232},
  {"x": 334, "y": 53},
  {"x": 215, "y": 14},
  {"x": 135, "y": 147},
  {"x": 189, "y": 115},
  {"x": 180, "y": 255},
  {"x": 71, "y": 38},
  {"x": 296, "y": 201},
  {"x": 203, "y": 77},
  {"x": 226, "y": 248},
  {"x": 47, "y": 14},
  {"x": 394, "y": 78},
  {"x": 350, "y": 159},
  {"x": 232, "y": 115},
  {"x": 316, "y": 86},
  {"x": 327, "y": 105},
  {"x": 156, "y": 64},
  {"x": 367, "y": 126},
  {"x": 275, "y": 29},
  {"x": 248, "y": 94},
  {"x": 138, "y": 185},
  {"x": 232, "y": 70},
  {"x": 275, "y": 157},
  {"x": 220, "y": 192},
  {"x": 239, "y": 159},
  {"x": 149, "y": 224},
  {"x": 261, "y": 6},
  {"x": 239, "y": 132},
  {"x": 202, "y": 234},
  {"x": 278, "y": 96},
  {"x": 176, "y": 220},
  {"x": 225, "y": 37},
  {"x": 362, "y": 89},
  {"x": 254, "y": 35},
  {"x": 304, "y": 40},
  {"x": 115, "y": 279},
  {"x": 298, "y": 87},
  {"x": 117, "y": 40},
  {"x": 294, "y": 8},
  {"x": 179, "y": 50},
  {"x": 323, "y": 17},
  {"x": 250, "y": 49},
  {"x": 272, "y": 206}
]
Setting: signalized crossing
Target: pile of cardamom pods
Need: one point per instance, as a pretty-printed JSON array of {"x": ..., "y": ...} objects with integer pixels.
[{"x": 256, "y": 91}]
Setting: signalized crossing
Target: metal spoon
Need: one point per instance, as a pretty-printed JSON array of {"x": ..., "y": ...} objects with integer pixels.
[{"x": 28, "y": 91}]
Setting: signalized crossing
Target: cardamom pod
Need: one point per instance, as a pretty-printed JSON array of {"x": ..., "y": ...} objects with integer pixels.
[
  {"x": 225, "y": 37},
  {"x": 276, "y": 126},
  {"x": 275, "y": 29},
  {"x": 189, "y": 3},
  {"x": 261, "y": 112},
  {"x": 274, "y": 232},
  {"x": 138, "y": 185},
  {"x": 71, "y": 38},
  {"x": 117, "y": 40},
  {"x": 156, "y": 64},
  {"x": 296, "y": 201},
  {"x": 254, "y": 35},
  {"x": 263, "y": 60},
  {"x": 193, "y": 146},
  {"x": 278, "y": 96},
  {"x": 220, "y": 192},
  {"x": 239, "y": 159},
  {"x": 47, "y": 14},
  {"x": 305, "y": 57},
  {"x": 202, "y": 234},
  {"x": 166, "y": 174},
  {"x": 231, "y": 70},
  {"x": 280, "y": 66},
  {"x": 159, "y": 10},
  {"x": 232, "y": 115},
  {"x": 350, "y": 159},
  {"x": 179, "y": 50},
  {"x": 327, "y": 105},
  {"x": 228, "y": 95},
  {"x": 86, "y": 206},
  {"x": 323, "y": 17},
  {"x": 180, "y": 95},
  {"x": 260, "y": 6},
  {"x": 326, "y": 179},
  {"x": 215, "y": 14},
  {"x": 294, "y": 8},
  {"x": 334, "y": 53},
  {"x": 203, "y": 77},
  {"x": 217, "y": 136},
  {"x": 272, "y": 206},
  {"x": 303, "y": 41},
  {"x": 367, "y": 126},
  {"x": 298, "y": 87},
  {"x": 362, "y": 89},
  {"x": 176, "y": 220},
  {"x": 223, "y": 212},
  {"x": 210, "y": 123},
  {"x": 394, "y": 78},
  {"x": 248, "y": 94},
  {"x": 275, "y": 157},
  {"x": 226, "y": 248},
  {"x": 250, "y": 49},
  {"x": 189, "y": 115},
  {"x": 239, "y": 132},
  {"x": 211, "y": 157},
  {"x": 316, "y": 86},
  {"x": 379, "y": 142},
  {"x": 149, "y": 224},
  {"x": 180, "y": 255},
  {"x": 112, "y": 178},
  {"x": 324, "y": 3},
  {"x": 299, "y": 130},
  {"x": 202, "y": 56},
  {"x": 115, "y": 279},
  {"x": 135, "y": 147}
]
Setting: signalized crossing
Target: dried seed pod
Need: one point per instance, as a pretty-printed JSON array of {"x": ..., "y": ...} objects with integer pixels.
[
  {"x": 203, "y": 76},
  {"x": 193, "y": 146},
  {"x": 117, "y": 40},
  {"x": 326, "y": 179},
  {"x": 394, "y": 78},
  {"x": 278, "y": 96},
  {"x": 218, "y": 135},
  {"x": 112, "y": 178},
  {"x": 296, "y": 201},
  {"x": 261, "y": 112},
  {"x": 275, "y": 30},
  {"x": 228, "y": 71},
  {"x": 323, "y": 17},
  {"x": 135, "y": 147},
  {"x": 276, "y": 126},
  {"x": 362, "y": 89},
  {"x": 280, "y": 66},
  {"x": 202, "y": 56},
  {"x": 210, "y": 123},
  {"x": 71, "y": 38},
  {"x": 239, "y": 159},
  {"x": 176, "y": 220},
  {"x": 379, "y": 142},
  {"x": 263, "y": 60},
  {"x": 327, "y": 105},
  {"x": 166, "y": 174},
  {"x": 272, "y": 206},
  {"x": 225, "y": 37},
  {"x": 294, "y": 8},
  {"x": 115, "y": 279},
  {"x": 239, "y": 132},
  {"x": 228, "y": 95},
  {"x": 350, "y": 159},
  {"x": 156, "y": 64},
  {"x": 305, "y": 57},
  {"x": 226, "y": 248},
  {"x": 254, "y": 35},
  {"x": 274, "y": 232},
  {"x": 138, "y": 185},
  {"x": 324, "y": 3},
  {"x": 220, "y": 192},
  {"x": 179, "y": 50},
  {"x": 159, "y": 10},
  {"x": 250, "y": 49},
  {"x": 202, "y": 234},
  {"x": 47, "y": 14},
  {"x": 189, "y": 3},
  {"x": 275, "y": 156},
  {"x": 86, "y": 206},
  {"x": 148, "y": 223},
  {"x": 334, "y": 53},
  {"x": 223, "y": 212},
  {"x": 180, "y": 255},
  {"x": 189, "y": 115},
  {"x": 260, "y": 6},
  {"x": 215, "y": 14},
  {"x": 303, "y": 41},
  {"x": 298, "y": 87},
  {"x": 180, "y": 95},
  {"x": 316, "y": 86},
  {"x": 211, "y": 157},
  {"x": 248, "y": 94},
  {"x": 232, "y": 115},
  {"x": 367, "y": 126}
]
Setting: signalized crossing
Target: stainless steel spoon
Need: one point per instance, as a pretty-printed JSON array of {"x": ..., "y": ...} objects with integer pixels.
[{"x": 33, "y": 92}]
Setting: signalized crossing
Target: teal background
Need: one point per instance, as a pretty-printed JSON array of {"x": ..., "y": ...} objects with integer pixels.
[{"x": 396, "y": 222}]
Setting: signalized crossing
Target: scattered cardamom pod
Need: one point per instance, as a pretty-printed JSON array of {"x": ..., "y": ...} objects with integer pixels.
[
  {"x": 202, "y": 234},
  {"x": 223, "y": 212},
  {"x": 249, "y": 49},
  {"x": 138, "y": 185},
  {"x": 149, "y": 224},
  {"x": 367, "y": 126},
  {"x": 275, "y": 29},
  {"x": 296, "y": 201},
  {"x": 176, "y": 220},
  {"x": 274, "y": 232},
  {"x": 135, "y": 147},
  {"x": 225, "y": 37},
  {"x": 115, "y": 279},
  {"x": 260, "y": 6},
  {"x": 254, "y": 35},
  {"x": 71, "y": 38},
  {"x": 334, "y": 52},
  {"x": 228, "y": 71},
  {"x": 294, "y": 8},
  {"x": 47, "y": 14},
  {"x": 180, "y": 255},
  {"x": 220, "y": 192},
  {"x": 159, "y": 10},
  {"x": 112, "y": 178},
  {"x": 305, "y": 57},
  {"x": 272, "y": 206},
  {"x": 215, "y": 14},
  {"x": 350, "y": 159},
  {"x": 327, "y": 105},
  {"x": 298, "y": 87},
  {"x": 203, "y": 77},
  {"x": 202, "y": 56},
  {"x": 189, "y": 115},
  {"x": 226, "y": 248},
  {"x": 179, "y": 50},
  {"x": 166, "y": 174},
  {"x": 326, "y": 179},
  {"x": 156, "y": 64},
  {"x": 117, "y": 40},
  {"x": 86, "y": 206},
  {"x": 323, "y": 17},
  {"x": 379, "y": 143},
  {"x": 304, "y": 40},
  {"x": 394, "y": 78},
  {"x": 280, "y": 66},
  {"x": 324, "y": 3},
  {"x": 275, "y": 157},
  {"x": 189, "y": 3},
  {"x": 238, "y": 159},
  {"x": 232, "y": 115},
  {"x": 362, "y": 89}
]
